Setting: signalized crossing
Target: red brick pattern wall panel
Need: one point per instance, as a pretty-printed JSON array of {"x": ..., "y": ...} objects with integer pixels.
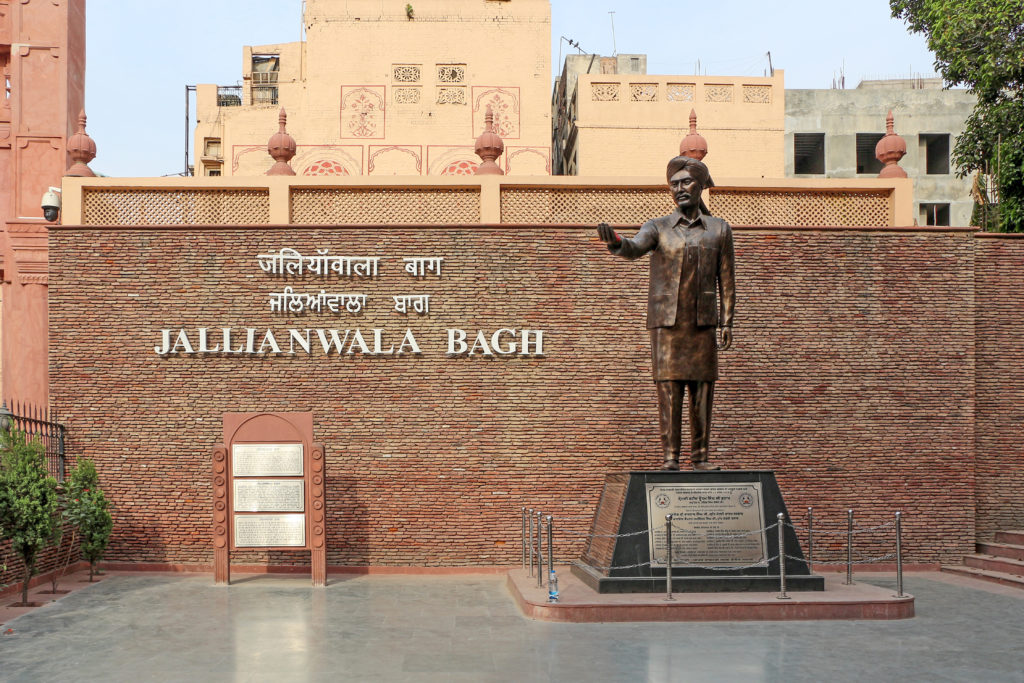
[
  {"x": 999, "y": 326},
  {"x": 57, "y": 556},
  {"x": 852, "y": 377}
]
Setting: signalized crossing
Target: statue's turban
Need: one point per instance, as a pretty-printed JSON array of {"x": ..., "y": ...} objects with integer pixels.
[{"x": 696, "y": 168}]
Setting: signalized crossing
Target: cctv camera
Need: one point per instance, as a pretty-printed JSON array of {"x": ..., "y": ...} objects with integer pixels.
[{"x": 51, "y": 204}]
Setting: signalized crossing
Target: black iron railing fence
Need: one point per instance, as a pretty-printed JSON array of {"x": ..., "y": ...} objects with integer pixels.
[
  {"x": 229, "y": 96},
  {"x": 41, "y": 424}
]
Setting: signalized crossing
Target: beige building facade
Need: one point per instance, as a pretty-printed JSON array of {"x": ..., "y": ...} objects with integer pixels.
[
  {"x": 611, "y": 119},
  {"x": 386, "y": 88}
]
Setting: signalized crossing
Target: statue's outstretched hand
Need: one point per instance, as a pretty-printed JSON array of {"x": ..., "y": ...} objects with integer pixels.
[
  {"x": 726, "y": 339},
  {"x": 607, "y": 235}
]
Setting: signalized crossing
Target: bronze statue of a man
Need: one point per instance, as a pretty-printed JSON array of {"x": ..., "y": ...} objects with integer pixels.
[{"x": 691, "y": 274}]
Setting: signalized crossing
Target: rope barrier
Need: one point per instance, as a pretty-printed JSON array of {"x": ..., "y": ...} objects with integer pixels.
[
  {"x": 676, "y": 565},
  {"x": 585, "y": 533},
  {"x": 723, "y": 537},
  {"x": 672, "y": 524},
  {"x": 570, "y": 532},
  {"x": 844, "y": 532},
  {"x": 871, "y": 560}
]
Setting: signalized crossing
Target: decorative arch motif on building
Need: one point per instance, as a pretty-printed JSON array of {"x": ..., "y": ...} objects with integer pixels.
[
  {"x": 504, "y": 102},
  {"x": 527, "y": 161},
  {"x": 336, "y": 160},
  {"x": 451, "y": 160},
  {"x": 395, "y": 160},
  {"x": 253, "y": 160},
  {"x": 324, "y": 167},
  {"x": 241, "y": 156},
  {"x": 363, "y": 111}
]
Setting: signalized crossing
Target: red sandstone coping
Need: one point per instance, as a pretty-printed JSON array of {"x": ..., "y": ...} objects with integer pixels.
[
  {"x": 927, "y": 229},
  {"x": 411, "y": 570},
  {"x": 303, "y": 569},
  {"x": 578, "y": 603},
  {"x": 1001, "y": 235}
]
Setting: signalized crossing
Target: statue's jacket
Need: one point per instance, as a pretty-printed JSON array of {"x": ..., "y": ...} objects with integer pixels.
[{"x": 714, "y": 258}]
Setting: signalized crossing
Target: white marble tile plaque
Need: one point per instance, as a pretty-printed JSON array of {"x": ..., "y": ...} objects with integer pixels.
[
  {"x": 266, "y": 460},
  {"x": 255, "y": 531},
  {"x": 269, "y": 495},
  {"x": 714, "y": 525}
]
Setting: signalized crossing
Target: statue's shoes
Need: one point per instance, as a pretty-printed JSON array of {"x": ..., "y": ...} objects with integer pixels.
[
  {"x": 705, "y": 467},
  {"x": 670, "y": 465}
]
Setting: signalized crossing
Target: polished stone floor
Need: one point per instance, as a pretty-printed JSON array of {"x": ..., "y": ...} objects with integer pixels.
[{"x": 141, "y": 627}]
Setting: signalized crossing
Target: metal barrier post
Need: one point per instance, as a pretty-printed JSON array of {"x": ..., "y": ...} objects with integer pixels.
[
  {"x": 899, "y": 555},
  {"x": 551, "y": 554},
  {"x": 523, "y": 516},
  {"x": 61, "y": 462},
  {"x": 849, "y": 548},
  {"x": 540, "y": 551},
  {"x": 668, "y": 556},
  {"x": 529, "y": 519},
  {"x": 780, "y": 528},
  {"x": 810, "y": 537}
]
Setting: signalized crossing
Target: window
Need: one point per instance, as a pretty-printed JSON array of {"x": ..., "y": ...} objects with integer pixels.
[
  {"x": 229, "y": 96},
  {"x": 211, "y": 147},
  {"x": 935, "y": 147},
  {"x": 5, "y": 64},
  {"x": 866, "y": 161},
  {"x": 934, "y": 214},
  {"x": 808, "y": 153},
  {"x": 265, "y": 70}
]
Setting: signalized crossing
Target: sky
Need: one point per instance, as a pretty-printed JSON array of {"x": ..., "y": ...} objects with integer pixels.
[{"x": 140, "y": 55}]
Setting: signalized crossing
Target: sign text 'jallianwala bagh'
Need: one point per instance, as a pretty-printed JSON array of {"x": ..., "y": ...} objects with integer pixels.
[{"x": 377, "y": 341}]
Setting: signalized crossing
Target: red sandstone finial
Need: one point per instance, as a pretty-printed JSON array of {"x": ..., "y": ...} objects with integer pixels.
[
  {"x": 489, "y": 147},
  {"x": 694, "y": 145},
  {"x": 889, "y": 150},
  {"x": 82, "y": 150},
  {"x": 281, "y": 147}
]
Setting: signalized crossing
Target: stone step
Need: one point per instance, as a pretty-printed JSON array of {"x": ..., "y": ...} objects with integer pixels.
[
  {"x": 985, "y": 575},
  {"x": 1014, "y": 552},
  {"x": 1014, "y": 537},
  {"x": 992, "y": 563}
]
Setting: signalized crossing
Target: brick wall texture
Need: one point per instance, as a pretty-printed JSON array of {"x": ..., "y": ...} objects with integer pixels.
[
  {"x": 852, "y": 376},
  {"x": 55, "y": 557},
  {"x": 999, "y": 393}
]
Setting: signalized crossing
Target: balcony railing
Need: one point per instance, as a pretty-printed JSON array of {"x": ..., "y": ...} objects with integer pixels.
[{"x": 229, "y": 96}]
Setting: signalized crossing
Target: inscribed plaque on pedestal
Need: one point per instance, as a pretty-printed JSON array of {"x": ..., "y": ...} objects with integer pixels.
[{"x": 714, "y": 525}]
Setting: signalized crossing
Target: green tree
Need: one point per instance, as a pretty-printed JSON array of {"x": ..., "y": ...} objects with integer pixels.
[
  {"x": 980, "y": 44},
  {"x": 89, "y": 512},
  {"x": 28, "y": 500}
]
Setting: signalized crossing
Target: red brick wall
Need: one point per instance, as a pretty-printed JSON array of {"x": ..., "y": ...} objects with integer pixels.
[
  {"x": 48, "y": 559},
  {"x": 999, "y": 434},
  {"x": 851, "y": 376}
]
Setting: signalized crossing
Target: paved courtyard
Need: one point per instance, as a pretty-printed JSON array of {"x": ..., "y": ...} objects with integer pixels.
[{"x": 137, "y": 627}]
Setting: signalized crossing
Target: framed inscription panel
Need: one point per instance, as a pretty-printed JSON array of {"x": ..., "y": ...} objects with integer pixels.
[
  {"x": 266, "y": 460},
  {"x": 269, "y": 495},
  {"x": 259, "y": 531},
  {"x": 268, "y": 490},
  {"x": 714, "y": 525}
]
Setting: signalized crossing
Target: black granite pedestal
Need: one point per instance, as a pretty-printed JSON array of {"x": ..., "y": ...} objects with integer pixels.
[{"x": 617, "y": 558}]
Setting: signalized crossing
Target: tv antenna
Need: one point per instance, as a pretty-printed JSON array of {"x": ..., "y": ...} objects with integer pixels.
[{"x": 614, "y": 49}]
